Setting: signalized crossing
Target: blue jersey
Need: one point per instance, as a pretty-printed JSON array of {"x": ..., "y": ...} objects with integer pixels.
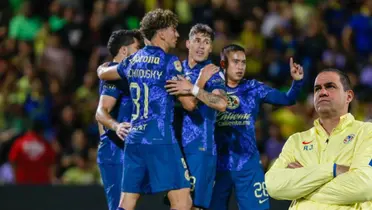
[
  {"x": 235, "y": 128},
  {"x": 152, "y": 114},
  {"x": 198, "y": 125},
  {"x": 109, "y": 150}
]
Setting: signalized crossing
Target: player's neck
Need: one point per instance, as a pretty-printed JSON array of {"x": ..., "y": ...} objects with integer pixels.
[
  {"x": 161, "y": 44},
  {"x": 117, "y": 59},
  {"x": 191, "y": 62},
  {"x": 329, "y": 123},
  {"x": 232, "y": 84}
]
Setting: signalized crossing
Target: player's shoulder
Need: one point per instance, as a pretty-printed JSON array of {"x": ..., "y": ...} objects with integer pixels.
[
  {"x": 249, "y": 84},
  {"x": 221, "y": 74},
  {"x": 128, "y": 60},
  {"x": 171, "y": 57},
  {"x": 173, "y": 62},
  {"x": 365, "y": 127},
  {"x": 255, "y": 83}
]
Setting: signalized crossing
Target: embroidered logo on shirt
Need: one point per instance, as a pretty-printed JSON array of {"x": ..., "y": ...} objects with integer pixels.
[
  {"x": 177, "y": 65},
  {"x": 233, "y": 102},
  {"x": 306, "y": 142},
  {"x": 308, "y": 147},
  {"x": 349, "y": 138}
]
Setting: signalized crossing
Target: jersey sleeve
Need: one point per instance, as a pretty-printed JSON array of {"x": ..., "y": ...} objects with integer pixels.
[
  {"x": 354, "y": 186},
  {"x": 284, "y": 183},
  {"x": 281, "y": 98},
  {"x": 217, "y": 82},
  {"x": 174, "y": 68},
  {"x": 262, "y": 89},
  {"x": 122, "y": 67},
  {"x": 110, "y": 88}
]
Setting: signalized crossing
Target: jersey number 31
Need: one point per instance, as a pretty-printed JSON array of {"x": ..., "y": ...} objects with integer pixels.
[{"x": 136, "y": 97}]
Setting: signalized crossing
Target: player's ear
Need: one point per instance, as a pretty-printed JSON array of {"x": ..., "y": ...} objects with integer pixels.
[
  {"x": 187, "y": 44},
  {"x": 223, "y": 64},
  {"x": 350, "y": 96},
  {"x": 161, "y": 34},
  {"x": 123, "y": 51}
]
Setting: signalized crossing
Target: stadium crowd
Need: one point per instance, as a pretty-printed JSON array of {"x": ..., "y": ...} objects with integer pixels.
[{"x": 50, "y": 50}]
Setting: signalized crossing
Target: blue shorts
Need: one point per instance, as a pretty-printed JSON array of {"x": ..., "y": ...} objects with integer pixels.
[
  {"x": 249, "y": 185},
  {"x": 111, "y": 175},
  {"x": 202, "y": 173},
  {"x": 156, "y": 168}
]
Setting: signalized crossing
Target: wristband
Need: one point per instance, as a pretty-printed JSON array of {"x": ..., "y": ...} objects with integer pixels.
[{"x": 195, "y": 90}]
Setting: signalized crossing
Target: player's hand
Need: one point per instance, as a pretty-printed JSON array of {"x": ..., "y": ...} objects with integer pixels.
[
  {"x": 294, "y": 165},
  {"x": 340, "y": 169},
  {"x": 179, "y": 87},
  {"x": 207, "y": 72},
  {"x": 122, "y": 130},
  {"x": 297, "y": 72}
]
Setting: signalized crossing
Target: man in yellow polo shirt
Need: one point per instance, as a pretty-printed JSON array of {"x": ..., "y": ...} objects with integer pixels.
[{"x": 330, "y": 165}]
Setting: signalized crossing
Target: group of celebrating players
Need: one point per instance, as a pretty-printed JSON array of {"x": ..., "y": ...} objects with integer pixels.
[{"x": 139, "y": 90}]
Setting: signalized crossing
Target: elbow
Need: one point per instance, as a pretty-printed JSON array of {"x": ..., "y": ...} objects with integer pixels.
[
  {"x": 365, "y": 191},
  {"x": 99, "y": 74},
  {"x": 189, "y": 106},
  {"x": 279, "y": 190},
  {"x": 98, "y": 117},
  {"x": 271, "y": 188}
]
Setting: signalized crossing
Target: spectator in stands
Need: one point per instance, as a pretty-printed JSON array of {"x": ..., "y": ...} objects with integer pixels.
[{"x": 33, "y": 158}]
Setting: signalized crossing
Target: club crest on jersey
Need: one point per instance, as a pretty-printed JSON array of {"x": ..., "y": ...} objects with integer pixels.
[
  {"x": 177, "y": 65},
  {"x": 233, "y": 102},
  {"x": 349, "y": 138}
]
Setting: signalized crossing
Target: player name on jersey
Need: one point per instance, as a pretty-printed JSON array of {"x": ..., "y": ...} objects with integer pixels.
[{"x": 144, "y": 73}]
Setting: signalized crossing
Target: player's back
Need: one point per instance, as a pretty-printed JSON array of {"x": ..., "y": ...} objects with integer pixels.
[{"x": 152, "y": 115}]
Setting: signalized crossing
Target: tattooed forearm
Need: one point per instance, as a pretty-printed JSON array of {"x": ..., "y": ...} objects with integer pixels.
[
  {"x": 212, "y": 100},
  {"x": 222, "y": 93}
]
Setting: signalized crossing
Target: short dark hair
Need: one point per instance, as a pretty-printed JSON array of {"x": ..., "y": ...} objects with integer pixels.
[
  {"x": 122, "y": 38},
  {"x": 344, "y": 79},
  {"x": 203, "y": 29},
  {"x": 156, "y": 20},
  {"x": 230, "y": 48}
]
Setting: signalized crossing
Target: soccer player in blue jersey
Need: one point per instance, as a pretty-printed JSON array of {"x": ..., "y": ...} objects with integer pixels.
[
  {"x": 113, "y": 115},
  {"x": 198, "y": 125},
  {"x": 152, "y": 156},
  {"x": 238, "y": 164}
]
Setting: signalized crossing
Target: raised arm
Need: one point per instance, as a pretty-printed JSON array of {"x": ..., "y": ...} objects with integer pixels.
[{"x": 277, "y": 97}]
